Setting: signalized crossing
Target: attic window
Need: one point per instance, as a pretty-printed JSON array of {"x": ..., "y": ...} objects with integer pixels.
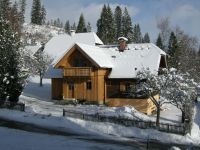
[
  {"x": 135, "y": 68},
  {"x": 113, "y": 56}
]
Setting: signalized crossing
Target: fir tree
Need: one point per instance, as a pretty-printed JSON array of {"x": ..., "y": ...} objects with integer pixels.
[
  {"x": 43, "y": 14},
  {"x": 22, "y": 10},
  {"x": 11, "y": 83},
  {"x": 89, "y": 28},
  {"x": 173, "y": 59},
  {"x": 67, "y": 27},
  {"x": 159, "y": 42},
  {"x": 118, "y": 22},
  {"x": 137, "y": 35},
  {"x": 146, "y": 38},
  {"x": 81, "y": 25},
  {"x": 105, "y": 26},
  {"x": 127, "y": 28},
  {"x": 36, "y": 12},
  {"x": 101, "y": 24},
  {"x": 73, "y": 27}
]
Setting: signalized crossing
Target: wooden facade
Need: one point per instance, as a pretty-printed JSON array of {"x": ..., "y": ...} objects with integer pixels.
[{"x": 83, "y": 79}]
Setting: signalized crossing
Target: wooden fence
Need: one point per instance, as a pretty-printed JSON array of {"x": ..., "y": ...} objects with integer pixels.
[{"x": 164, "y": 127}]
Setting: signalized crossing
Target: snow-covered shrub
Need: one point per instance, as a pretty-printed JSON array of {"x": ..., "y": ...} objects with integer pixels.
[{"x": 12, "y": 73}]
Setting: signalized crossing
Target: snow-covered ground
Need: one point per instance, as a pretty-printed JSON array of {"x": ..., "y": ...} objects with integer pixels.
[
  {"x": 21, "y": 140},
  {"x": 42, "y": 112}
]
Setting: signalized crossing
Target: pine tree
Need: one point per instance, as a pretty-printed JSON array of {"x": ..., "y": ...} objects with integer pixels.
[
  {"x": 137, "y": 35},
  {"x": 105, "y": 26},
  {"x": 172, "y": 51},
  {"x": 101, "y": 25},
  {"x": 118, "y": 22},
  {"x": 89, "y": 28},
  {"x": 22, "y": 10},
  {"x": 146, "y": 38},
  {"x": 36, "y": 12},
  {"x": 73, "y": 27},
  {"x": 159, "y": 42},
  {"x": 11, "y": 83},
  {"x": 81, "y": 25},
  {"x": 127, "y": 28},
  {"x": 43, "y": 14},
  {"x": 67, "y": 27}
]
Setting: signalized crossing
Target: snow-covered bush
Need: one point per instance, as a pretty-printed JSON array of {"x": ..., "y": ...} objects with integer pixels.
[{"x": 12, "y": 73}]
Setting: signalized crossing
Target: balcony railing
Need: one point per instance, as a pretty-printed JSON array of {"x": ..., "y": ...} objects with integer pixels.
[{"x": 77, "y": 71}]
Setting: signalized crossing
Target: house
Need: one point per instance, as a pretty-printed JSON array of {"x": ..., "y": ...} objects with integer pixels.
[{"x": 103, "y": 74}]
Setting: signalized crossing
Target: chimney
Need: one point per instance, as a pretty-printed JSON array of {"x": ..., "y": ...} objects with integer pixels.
[
  {"x": 122, "y": 43},
  {"x": 72, "y": 32}
]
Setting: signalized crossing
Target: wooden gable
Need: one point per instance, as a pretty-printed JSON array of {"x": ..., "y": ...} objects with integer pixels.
[{"x": 76, "y": 57}]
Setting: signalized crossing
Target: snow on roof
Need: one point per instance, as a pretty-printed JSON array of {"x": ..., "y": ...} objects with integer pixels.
[
  {"x": 123, "y": 38},
  {"x": 63, "y": 42},
  {"x": 124, "y": 64},
  {"x": 137, "y": 57},
  {"x": 58, "y": 44},
  {"x": 89, "y": 38}
]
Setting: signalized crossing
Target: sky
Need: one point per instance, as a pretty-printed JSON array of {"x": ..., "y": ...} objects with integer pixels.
[{"x": 183, "y": 13}]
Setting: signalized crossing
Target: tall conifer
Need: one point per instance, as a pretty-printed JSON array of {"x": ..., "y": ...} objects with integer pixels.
[
  {"x": 159, "y": 42},
  {"x": 118, "y": 22},
  {"x": 81, "y": 25},
  {"x": 36, "y": 12},
  {"x": 127, "y": 28}
]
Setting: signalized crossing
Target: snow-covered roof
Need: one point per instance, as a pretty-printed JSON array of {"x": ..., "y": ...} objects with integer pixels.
[
  {"x": 97, "y": 54},
  {"x": 137, "y": 57},
  {"x": 124, "y": 64},
  {"x": 63, "y": 42}
]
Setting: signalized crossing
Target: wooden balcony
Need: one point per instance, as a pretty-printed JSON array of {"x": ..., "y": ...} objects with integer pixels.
[{"x": 77, "y": 72}]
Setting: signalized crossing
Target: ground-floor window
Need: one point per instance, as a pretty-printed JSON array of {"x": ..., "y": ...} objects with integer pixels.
[{"x": 89, "y": 85}]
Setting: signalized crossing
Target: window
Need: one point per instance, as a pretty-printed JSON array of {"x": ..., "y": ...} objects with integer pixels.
[
  {"x": 89, "y": 85},
  {"x": 127, "y": 86},
  {"x": 71, "y": 86}
]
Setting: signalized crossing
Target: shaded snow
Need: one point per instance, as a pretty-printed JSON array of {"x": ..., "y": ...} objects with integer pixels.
[
  {"x": 21, "y": 140},
  {"x": 33, "y": 89}
]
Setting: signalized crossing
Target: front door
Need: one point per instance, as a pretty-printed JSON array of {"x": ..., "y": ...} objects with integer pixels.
[{"x": 71, "y": 89}]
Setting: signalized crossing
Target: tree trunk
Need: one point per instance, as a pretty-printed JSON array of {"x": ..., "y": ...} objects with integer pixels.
[
  {"x": 183, "y": 117},
  {"x": 158, "y": 116},
  {"x": 41, "y": 80}
]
